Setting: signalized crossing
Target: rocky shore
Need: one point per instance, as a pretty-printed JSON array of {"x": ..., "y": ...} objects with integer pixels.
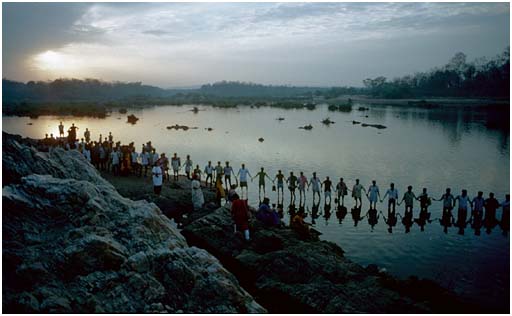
[{"x": 74, "y": 242}]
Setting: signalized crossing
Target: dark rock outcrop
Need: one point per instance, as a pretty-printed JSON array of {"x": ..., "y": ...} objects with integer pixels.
[
  {"x": 289, "y": 275},
  {"x": 72, "y": 244}
]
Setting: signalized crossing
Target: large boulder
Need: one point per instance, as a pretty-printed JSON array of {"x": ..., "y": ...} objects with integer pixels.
[
  {"x": 72, "y": 244},
  {"x": 288, "y": 274}
]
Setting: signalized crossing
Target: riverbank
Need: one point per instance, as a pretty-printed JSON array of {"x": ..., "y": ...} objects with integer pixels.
[{"x": 124, "y": 240}]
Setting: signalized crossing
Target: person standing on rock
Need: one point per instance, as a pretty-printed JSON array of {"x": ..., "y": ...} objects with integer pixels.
[
  {"x": 157, "y": 178},
  {"x": 197, "y": 194},
  {"x": 316, "y": 184},
  {"x": 261, "y": 180},
  {"x": 87, "y": 135},
  {"x": 228, "y": 170},
  {"x": 373, "y": 195},
  {"x": 357, "y": 193},
  {"x": 240, "y": 214},
  {"x": 61, "y": 130},
  {"x": 176, "y": 165},
  {"x": 197, "y": 173},
  {"x": 243, "y": 173},
  {"x": 188, "y": 166},
  {"x": 208, "y": 170}
]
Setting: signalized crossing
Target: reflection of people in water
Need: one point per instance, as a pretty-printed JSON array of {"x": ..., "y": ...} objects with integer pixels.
[
  {"x": 505, "y": 215},
  {"x": 407, "y": 220},
  {"x": 356, "y": 215},
  {"x": 491, "y": 205},
  {"x": 314, "y": 211},
  {"x": 341, "y": 213},
  {"x": 327, "y": 212},
  {"x": 391, "y": 220},
  {"x": 373, "y": 217}
]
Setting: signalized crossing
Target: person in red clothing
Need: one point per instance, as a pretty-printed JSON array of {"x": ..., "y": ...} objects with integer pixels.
[{"x": 240, "y": 214}]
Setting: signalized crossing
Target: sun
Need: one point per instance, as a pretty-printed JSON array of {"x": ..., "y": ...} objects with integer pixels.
[{"x": 50, "y": 60}]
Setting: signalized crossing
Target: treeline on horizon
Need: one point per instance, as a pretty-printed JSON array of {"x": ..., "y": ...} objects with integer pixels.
[{"x": 458, "y": 78}]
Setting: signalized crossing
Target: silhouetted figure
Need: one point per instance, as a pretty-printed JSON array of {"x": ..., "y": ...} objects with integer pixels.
[
  {"x": 448, "y": 204},
  {"x": 356, "y": 215},
  {"x": 477, "y": 213},
  {"x": 176, "y": 165},
  {"x": 292, "y": 185},
  {"x": 292, "y": 210},
  {"x": 87, "y": 135},
  {"x": 357, "y": 193},
  {"x": 261, "y": 180},
  {"x": 327, "y": 184},
  {"x": 505, "y": 215},
  {"x": 373, "y": 195},
  {"x": 219, "y": 171},
  {"x": 228, "y": 170},
  {"x": 341, "y": 189},
  {"x": 280, "y": 183},
  {"x": 425, "y": 200},
  {"x": 303, "y": 182},
  {"x": 409, "y": 198},
  {"x": 392, "y": 195},
  {"x": 61, "y": 130},
  {"x": 491, "y": 205},
  {"x": 341, "y": 213},
  {"x": 315, "y": 183},
  {"x": 243, "y": 173},
  {"x": 188, "y": 168},
  {"x": 373, "y": 217},
  {"x": 208, "y": 171},
  {"x": 197, "y": 173},
  {"x": 72, "y": 133},
  {"x": 462, "y": 212}
]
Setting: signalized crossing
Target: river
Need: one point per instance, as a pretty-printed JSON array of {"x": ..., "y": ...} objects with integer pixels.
[{"x": 431, "y": 148}]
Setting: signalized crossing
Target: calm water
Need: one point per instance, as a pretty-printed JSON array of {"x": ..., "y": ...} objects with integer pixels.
[{"x": 423, "y": 148}]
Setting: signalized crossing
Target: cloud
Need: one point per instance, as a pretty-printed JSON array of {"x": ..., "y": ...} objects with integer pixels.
[{"x": 191, "y": 43}]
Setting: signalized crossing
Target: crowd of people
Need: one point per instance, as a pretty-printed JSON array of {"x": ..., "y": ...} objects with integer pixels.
[{"x": 110, "y": 156}]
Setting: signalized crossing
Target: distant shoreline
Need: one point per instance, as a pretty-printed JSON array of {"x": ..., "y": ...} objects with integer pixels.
[{"x": 349, "y": 102}]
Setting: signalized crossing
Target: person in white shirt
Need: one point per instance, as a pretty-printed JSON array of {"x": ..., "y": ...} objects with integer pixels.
[
  {"x": 144, "y": 159},
  {"x": 315, "y": 183},
  {"x": 135, "y": 160},
  {"x": 243, "y": 173},
  {"x": 115, "y": 161},
  {"x": 392, "y": 195},
  {"x": 228, "y": 170},
  {"x": 87, "y": 153},
  {"x": 157, "y": 178},
  {"x": 176, "y": 165},
  {"x": 197, "y": 193},
  {"x": 208, "y": 170},
  {"x": 357, "y": 193}
]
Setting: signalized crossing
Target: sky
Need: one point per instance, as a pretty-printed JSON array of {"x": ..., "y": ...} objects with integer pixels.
[{"x": 189, "y": 44}]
